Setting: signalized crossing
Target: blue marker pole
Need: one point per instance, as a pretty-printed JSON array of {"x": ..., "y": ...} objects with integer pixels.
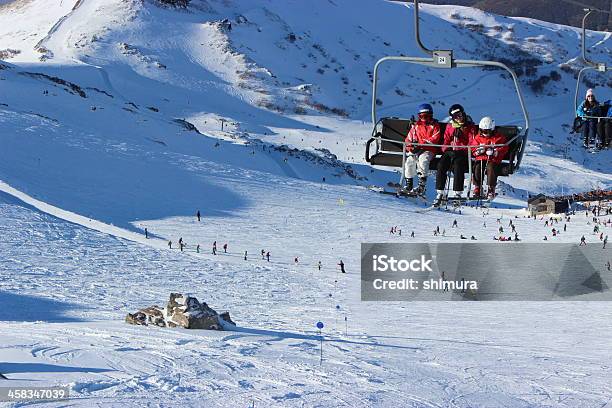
[
  {"x": 320, "y": 326},
  {"x": 336, "y": 317}
]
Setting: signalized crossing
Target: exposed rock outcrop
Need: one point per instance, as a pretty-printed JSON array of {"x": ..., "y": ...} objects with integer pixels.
[{"x": 182, "y": 311}]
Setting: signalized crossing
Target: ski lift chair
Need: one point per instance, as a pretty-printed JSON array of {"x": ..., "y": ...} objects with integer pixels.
[
  {"x": 387, "y": 140},
  {"x": 590, "y": 65}
]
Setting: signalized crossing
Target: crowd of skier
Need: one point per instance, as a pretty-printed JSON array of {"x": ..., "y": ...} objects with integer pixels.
[
  {"x": 551, "y": 226},
  {"x": 488, "y": 147}
]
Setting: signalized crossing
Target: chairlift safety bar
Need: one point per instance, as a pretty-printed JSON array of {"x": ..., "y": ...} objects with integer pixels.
[{"x": 404, "y": 143}]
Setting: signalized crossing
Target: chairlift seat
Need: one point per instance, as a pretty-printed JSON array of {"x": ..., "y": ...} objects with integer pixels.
[{"x": 389, "y": 153}]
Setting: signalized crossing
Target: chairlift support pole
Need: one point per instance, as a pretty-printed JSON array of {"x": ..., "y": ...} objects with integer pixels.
[
  {"x": 417, "y": 31},
  {"x": 584, "y": 57}
]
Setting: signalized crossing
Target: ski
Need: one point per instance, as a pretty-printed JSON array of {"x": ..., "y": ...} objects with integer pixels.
[
  {"x": 396, "y": 193},
  {"x": 426, "y": 209}
]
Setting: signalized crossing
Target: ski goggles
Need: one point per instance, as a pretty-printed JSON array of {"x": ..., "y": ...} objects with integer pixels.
[
  {"x": 486, "y": 132},
  {"x": 458, "y": 115}
]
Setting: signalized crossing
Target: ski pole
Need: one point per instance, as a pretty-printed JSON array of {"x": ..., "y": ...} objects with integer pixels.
[{"x": 447, "y": 188}]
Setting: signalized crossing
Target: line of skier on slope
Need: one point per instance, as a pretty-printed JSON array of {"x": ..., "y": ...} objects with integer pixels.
[
  {"x": 460, "y": 135},
  {"x": 265, "y": 255}
]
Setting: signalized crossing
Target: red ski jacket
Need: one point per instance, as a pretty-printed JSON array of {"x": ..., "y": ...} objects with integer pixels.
[
  {"x": 480, "y": 149},
  {"x": 422, "y": 132},
  {"x": 457, "y": 136}
]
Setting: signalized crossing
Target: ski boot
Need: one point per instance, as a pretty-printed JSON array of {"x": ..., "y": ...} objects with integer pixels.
[
  {"x": 440, "y": 198},
  {"x": 420, "y": 189},
  {"x": 406, "y": 190},
  {"x": 477, "y": 192},
  {"x": 457, "y": 198},
  {"x": 491, "y": 194}
]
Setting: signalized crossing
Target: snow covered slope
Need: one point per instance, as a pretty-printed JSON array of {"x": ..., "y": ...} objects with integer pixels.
[{"x": 117, "y": 116}]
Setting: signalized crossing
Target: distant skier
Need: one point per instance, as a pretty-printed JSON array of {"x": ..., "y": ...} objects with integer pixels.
[
  {"x": 341, "y": 265},
  {"x": 319, "y": 265},
  {"x": 295, "y": 260},
  {"x": 225, "y": 248},
  {"x": 146, "y": 233},
  {"x": 181, "y": 246},
  {"x": 198, "y": 215},
  {"x": 214, "y": 248},
  {"x": 268, "y": 256},
  {"x": 454, "y": 224},
  {"x": 198, "y": 248},
  {"x": 605, "y": 242},
  {"x": 473, "y": 238},
  {"x": 463, "y": 237},
  {"x": 181, "y": 241},
  {"x": 501, "y": 229},
  {"x": 582, "y": 241},
  {"x": 399, "y": 233},
  {"x": 263, "y": 254},
  {"x": 412, "y": 234},
  {"x": 170, "y": 244},
  {"x": 245, "y": 255}
]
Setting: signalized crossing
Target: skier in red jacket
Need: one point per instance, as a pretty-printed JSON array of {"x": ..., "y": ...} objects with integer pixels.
[
  {"x": 458, "y": 134},
  {"x": 487, "y": 157},
  {"x": 425, "y": 131}
]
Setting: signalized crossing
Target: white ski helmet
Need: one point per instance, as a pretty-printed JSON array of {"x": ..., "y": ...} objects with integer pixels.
[{"x": 487, "y": 123}]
